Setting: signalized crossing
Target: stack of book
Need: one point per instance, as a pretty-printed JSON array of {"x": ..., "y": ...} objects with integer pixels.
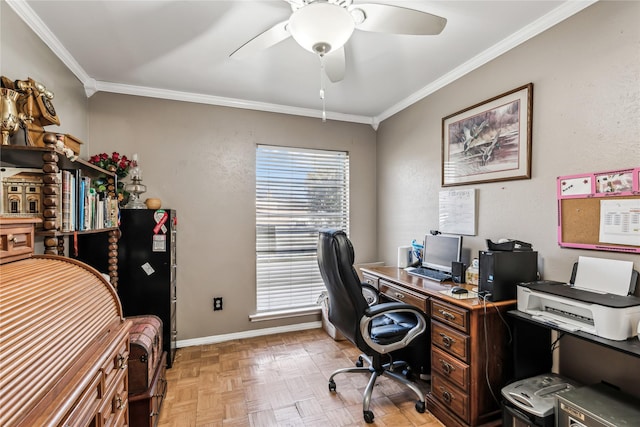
[{"x": 82, "y": 207}]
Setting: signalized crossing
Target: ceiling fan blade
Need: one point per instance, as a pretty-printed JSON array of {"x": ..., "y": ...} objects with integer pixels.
[
  {"x": 384, "y": 18},
  {"x": 262, "y": 41},
  {"x": 334, "y": 64}
]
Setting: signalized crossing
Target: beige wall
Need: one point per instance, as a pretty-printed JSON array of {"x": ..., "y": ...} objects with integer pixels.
[
  {"x": 586, "y": 76},
  {"x": 200, "y": 160}
]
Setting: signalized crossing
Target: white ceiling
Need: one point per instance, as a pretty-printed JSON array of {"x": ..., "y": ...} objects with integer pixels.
[{"x": 180, "y": 50}]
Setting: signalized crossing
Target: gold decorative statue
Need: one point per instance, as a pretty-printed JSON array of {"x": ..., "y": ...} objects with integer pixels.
[{"x": 9, "y": 120}]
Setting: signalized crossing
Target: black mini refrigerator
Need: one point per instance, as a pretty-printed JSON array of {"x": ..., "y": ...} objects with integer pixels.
[{"x": 147, "y": 268}]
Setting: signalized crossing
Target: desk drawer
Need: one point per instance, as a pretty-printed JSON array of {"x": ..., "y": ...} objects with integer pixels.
[
  {"x": 450, "y": 368},
  {"x": 115, "y": 403},
  {"x": 450, "y": 340},
  {"x": 16, "y": 239},
  {"x": 397, "y": 293},
  {"x": 116, "y": 363},
  {"x": 451, "y": 397},
  {"x": 450, "y": 314},
  {"x": 370, "y": 280}
]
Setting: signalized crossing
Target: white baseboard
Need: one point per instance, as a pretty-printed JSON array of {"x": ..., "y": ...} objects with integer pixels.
[{"x": 248, "y": 334}]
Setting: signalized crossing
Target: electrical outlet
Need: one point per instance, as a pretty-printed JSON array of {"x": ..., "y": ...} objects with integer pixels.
[{"x": 217, "y": 303}]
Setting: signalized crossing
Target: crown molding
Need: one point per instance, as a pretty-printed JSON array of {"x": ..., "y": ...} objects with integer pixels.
[
  {"x": 225, "y": 102},
  {"x": 542, "y": 24},
  {"x": 566, "y": 10}
]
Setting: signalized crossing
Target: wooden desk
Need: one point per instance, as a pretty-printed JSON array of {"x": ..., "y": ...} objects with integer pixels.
[{"x": 470, "y": 356}]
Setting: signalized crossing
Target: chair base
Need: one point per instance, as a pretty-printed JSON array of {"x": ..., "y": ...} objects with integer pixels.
[{"x": 389, "y": 370}]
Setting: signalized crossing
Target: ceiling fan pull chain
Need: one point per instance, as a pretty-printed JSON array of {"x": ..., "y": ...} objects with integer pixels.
[{"x": 324, "y": 112}]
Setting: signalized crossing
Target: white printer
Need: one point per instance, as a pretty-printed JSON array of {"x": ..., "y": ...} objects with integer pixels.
[{"x": 596, "y": 301}]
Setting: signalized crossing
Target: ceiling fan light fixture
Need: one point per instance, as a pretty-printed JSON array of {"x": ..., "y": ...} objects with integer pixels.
[
  {"x": 358, "y": 15},
  {"x": 321, "y": 27}
]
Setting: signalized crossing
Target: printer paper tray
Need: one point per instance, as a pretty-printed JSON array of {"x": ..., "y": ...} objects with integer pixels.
[{"x": 561, "y": 322}]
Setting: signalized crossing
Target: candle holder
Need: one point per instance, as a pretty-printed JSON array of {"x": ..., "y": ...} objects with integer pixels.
[{"x": 135, "y": 187}]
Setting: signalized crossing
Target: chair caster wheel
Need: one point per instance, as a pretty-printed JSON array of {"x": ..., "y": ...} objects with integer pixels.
[
  {"x": 368, "y": 416},
  {"x": 332, "y": 386},
  {"x": 360, "y": 362},
  {"x": 420, "y": 407},
  {"x": 407, "y": 373}
]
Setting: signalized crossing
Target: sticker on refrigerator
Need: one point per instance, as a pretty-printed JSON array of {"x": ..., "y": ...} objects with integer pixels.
[
  {"x": 160, "y": 216},
  {"x": 148, "y": 269},
  {"x": 159, "y": 243}
]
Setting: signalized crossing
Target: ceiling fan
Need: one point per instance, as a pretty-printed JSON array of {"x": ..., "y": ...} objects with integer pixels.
[{"x": 324, "y": 26}]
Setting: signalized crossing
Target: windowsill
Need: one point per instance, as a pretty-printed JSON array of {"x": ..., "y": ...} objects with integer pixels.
[{"x": 283, "y": 314}]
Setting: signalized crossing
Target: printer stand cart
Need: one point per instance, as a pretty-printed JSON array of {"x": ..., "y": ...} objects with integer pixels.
[{"x": 630, "y": 346}]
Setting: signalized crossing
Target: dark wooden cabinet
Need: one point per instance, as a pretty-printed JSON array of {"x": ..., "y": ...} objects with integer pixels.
[{"x": 144, "y": 408}]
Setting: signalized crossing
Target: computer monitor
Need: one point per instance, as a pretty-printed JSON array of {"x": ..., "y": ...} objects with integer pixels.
[{"x": 440, "y": 251}]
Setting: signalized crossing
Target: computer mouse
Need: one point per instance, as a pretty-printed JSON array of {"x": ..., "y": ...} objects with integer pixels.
[{"x": 457, "y": 290}]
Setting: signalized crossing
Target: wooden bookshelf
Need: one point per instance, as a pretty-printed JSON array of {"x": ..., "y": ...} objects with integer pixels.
[{"x": 52, "y": 161}]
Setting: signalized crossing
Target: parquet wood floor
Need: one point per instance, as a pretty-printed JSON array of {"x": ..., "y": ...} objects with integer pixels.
[{"x": 280, "y": 380}]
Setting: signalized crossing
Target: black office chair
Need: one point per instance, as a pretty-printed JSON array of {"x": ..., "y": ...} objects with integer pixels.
[{"x": 381, "y": 331}]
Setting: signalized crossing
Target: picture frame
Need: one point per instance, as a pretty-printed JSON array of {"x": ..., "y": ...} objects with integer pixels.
[{"x": 489, "y": 141}]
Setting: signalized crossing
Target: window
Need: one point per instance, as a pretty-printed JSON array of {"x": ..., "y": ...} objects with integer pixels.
[
  {"x": 14, "y": 206},
  {"x": 298, "y": 191}
]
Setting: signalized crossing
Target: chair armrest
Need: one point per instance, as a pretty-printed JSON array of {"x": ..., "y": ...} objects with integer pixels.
[
  {"x": 392, "y": 307},
  {"x": 385, "y": 307},
  {"x": 370, "y": 293}
]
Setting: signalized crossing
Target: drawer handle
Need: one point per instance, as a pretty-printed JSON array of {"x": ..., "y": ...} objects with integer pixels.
[
  {"x": 446, "y": 396},
  {"x": 446, "y": 367},
  {"x": 369, "y": 281},
  {"x": 447, "y": 315},
  {"x": 119, "y": 402},
  {"x": 121, "y": 363},
  {"x": 447, "y": 340},
  {"x": 399, "y": 295}
]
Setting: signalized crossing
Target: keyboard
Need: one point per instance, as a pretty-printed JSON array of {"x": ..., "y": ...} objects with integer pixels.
[{"x": 427, "y": 273}]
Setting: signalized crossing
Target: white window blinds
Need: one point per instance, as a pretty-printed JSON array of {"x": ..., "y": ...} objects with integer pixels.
[{"x": 298, "y": 191}]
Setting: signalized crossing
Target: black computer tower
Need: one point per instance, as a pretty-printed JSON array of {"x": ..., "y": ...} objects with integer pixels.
[{"x": 501, "y": 271}]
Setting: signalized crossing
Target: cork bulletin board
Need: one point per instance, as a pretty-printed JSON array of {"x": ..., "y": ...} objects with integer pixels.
[{"x": 600, "y": 211}]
